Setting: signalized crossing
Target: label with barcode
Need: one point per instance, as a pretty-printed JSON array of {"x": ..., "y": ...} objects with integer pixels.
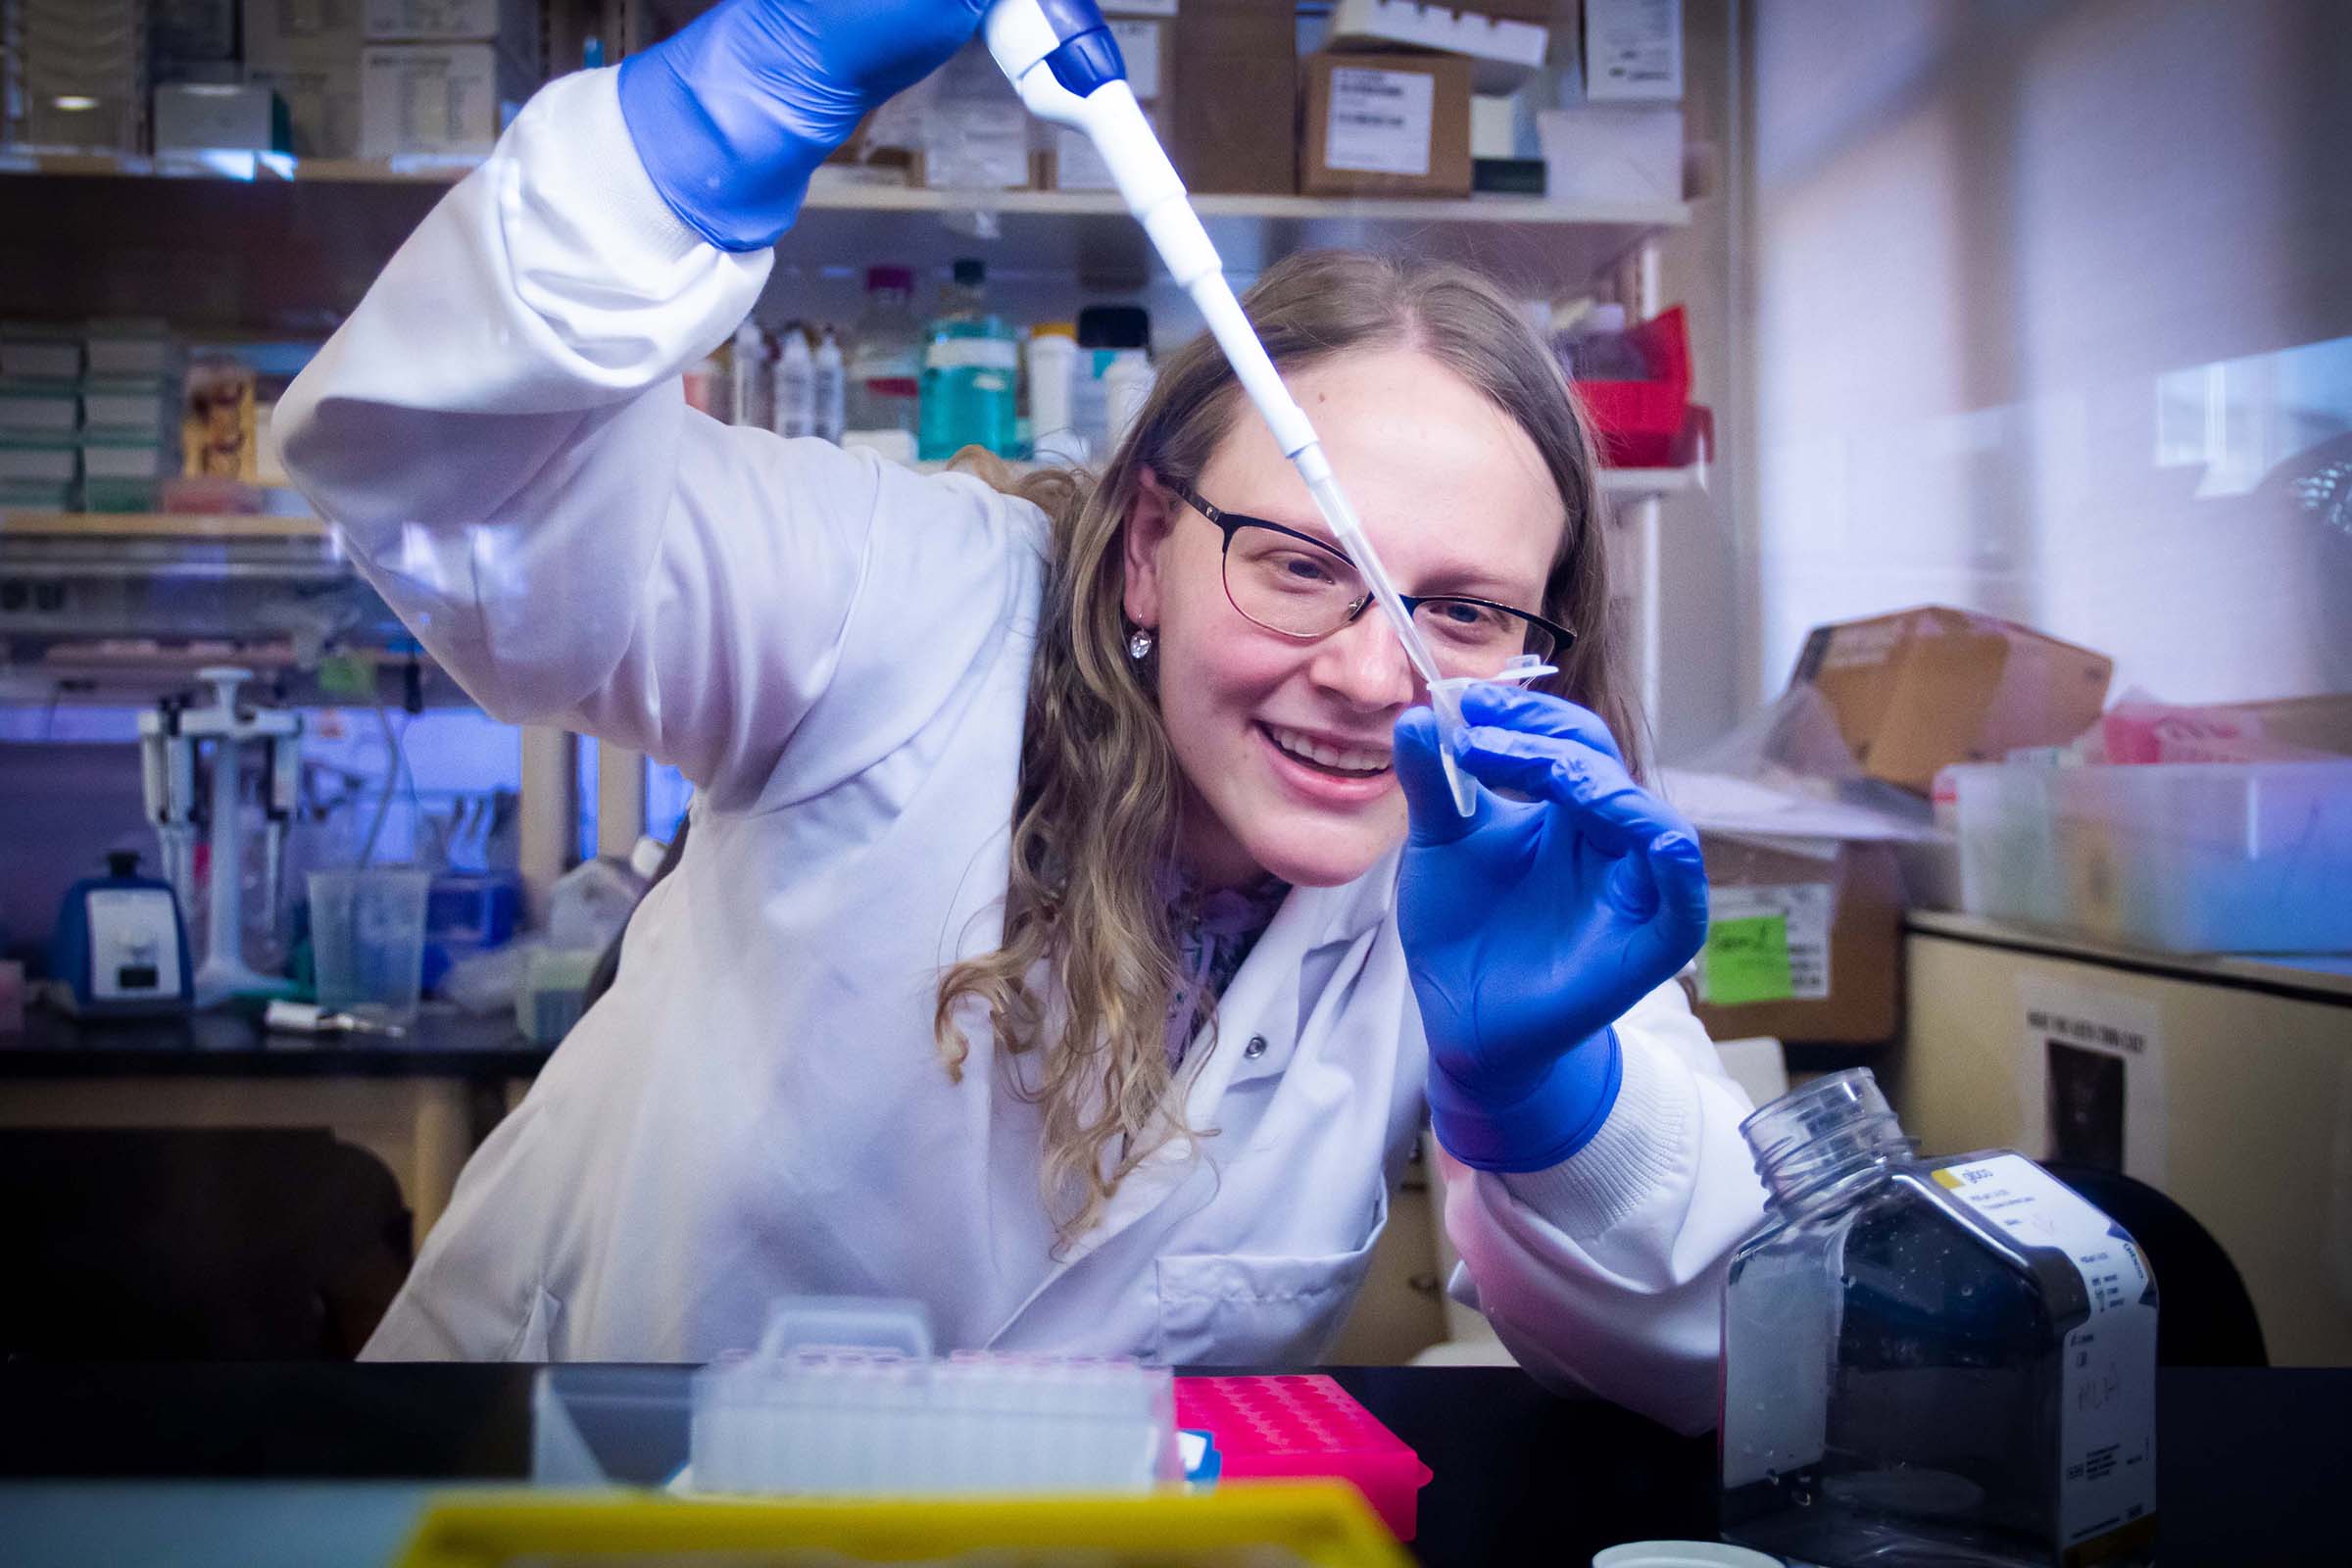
[{"x": 1380, "y": 122}]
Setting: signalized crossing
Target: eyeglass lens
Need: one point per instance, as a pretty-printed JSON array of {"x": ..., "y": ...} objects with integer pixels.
[{"x": 1293, "y": 587}]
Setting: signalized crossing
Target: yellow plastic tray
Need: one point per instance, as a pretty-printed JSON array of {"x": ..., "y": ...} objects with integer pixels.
[{"x": 1260, "y": 1524}]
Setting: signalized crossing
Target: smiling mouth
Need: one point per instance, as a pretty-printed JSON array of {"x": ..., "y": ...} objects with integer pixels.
[{"x": 1339, "y": 761}]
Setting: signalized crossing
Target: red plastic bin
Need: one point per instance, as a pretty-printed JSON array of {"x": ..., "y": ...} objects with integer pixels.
[
  {"x": 1290, "y": 1427},
  {"x": 1651, "y": 424}
]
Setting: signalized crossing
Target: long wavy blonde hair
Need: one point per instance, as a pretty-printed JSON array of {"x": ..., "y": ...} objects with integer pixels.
[{"x": 1087, "y": 973}]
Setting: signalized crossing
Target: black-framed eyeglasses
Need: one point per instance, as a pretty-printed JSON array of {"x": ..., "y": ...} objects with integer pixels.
[{"x": 1295, "y": 584}]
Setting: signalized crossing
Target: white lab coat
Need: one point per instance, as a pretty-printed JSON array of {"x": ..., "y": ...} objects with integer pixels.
[{"x": 837, "y": 652}]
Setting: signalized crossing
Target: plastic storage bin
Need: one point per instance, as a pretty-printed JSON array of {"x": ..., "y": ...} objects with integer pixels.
[
  {"x": 1294, "y": 1427},
  {"x": 2178, "y": 857},
  {"x": 1649, "y": 423}
]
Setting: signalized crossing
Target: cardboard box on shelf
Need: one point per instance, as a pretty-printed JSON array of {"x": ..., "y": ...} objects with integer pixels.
[
  {"x": 322, "y": 104},
  {"x": 193, "y": 116},
  {"x": 2315, "y": 724},
  {"x": 975, "y": 146},
  {"x": 1386, "y": 124},
  {"x": 968, "y": 127},
  {"x": 1632, "y": 51},
  {"x": 1612, "y": 152},
  {"x": 436, "y": 100},
  {"x": 511, "y": 24},
  {"x": 285, "y": 34},
  {"x": 308, "y": 53},
  {"x": 1242, "y": 136},
  {"x": 1923, "y": 688},
  {"x": 1804, "y": 940}
]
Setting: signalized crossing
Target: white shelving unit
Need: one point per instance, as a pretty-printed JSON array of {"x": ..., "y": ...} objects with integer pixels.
[{"x": 266, "y": 244}]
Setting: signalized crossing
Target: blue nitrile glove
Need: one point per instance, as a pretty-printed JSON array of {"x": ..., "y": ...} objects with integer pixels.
[
  {"x": 1531, "y": 926},
  {"x": 732, "y": 114}
]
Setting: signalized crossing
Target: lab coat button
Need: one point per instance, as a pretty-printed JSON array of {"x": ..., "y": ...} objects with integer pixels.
[{"x": 1256, "y": 1048}]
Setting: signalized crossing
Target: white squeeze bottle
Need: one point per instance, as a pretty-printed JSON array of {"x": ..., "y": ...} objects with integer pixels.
[
  {"x": 832, "y": 388},
  {"x": 1125, "y": 386},
  {"x": 1053, "y": 374},
  {"x": 753, "y": 376},
  {"x": 795, "y": 384}
]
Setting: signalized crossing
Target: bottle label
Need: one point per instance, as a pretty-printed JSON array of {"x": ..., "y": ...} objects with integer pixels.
[
  {"x": 973, "y": 354},
  {"x": 2107, "y": 1413}
]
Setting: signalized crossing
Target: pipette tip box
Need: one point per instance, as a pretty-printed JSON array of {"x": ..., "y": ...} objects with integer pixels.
[{"x": 1290, "y": 1427}]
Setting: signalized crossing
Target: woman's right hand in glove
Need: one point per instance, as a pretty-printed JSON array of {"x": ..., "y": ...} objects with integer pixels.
[{"x": 732, "y": 114}]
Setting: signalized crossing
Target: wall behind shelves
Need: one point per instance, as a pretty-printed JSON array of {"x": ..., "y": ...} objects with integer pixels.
[{"x": 2053, "y": 317}]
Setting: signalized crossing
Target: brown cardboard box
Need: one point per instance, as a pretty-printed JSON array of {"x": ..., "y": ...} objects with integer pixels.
[
  {"x": 1923, "y": 688},
  {"x": 1387, "y": 124},
  {"x": 1843, "y": 927},
  {"x": 2315, "y": 724},
  {"x": 1240, "y": 132}
]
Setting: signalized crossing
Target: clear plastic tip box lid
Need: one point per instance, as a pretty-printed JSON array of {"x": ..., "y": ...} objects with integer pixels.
[{"x": 845, "y": 1397}]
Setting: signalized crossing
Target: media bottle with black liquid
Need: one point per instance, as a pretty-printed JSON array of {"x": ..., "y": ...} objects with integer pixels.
[{"x": 1945, "y": 1361}]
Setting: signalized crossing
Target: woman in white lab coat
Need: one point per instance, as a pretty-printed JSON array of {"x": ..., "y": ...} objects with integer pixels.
[{"x": 1049, "y": 945}]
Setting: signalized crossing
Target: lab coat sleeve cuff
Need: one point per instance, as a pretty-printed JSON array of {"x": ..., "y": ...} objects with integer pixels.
[
  {"x": 586, "y": 149},
  {"x": 1638, "y": 1150}
]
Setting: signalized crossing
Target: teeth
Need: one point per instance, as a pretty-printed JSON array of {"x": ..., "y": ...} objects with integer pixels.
[{"x": 1345, "y": 760}]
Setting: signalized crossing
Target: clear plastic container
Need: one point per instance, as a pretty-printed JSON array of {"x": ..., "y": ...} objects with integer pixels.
[
  {"x": 2178, "y": 857},
  {"x": 368, "y": 939},
  {"x": 1931, "y": 1361},
  {"x": 886, "y": 355},
  {"x": 843, "y": 1397},
  {"x": 972, "y": 373}
]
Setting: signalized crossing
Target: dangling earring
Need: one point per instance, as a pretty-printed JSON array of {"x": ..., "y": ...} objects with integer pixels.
[{"x": 1139, "y": 645}]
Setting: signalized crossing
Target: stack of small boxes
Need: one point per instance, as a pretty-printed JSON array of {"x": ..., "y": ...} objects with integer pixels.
[
  {"x": 85, "y": 415},
  {"x": 440, "y": 78},
  {"x": 203, "y": 102},
  {"x": 308, "y": 52},
  {"x": 76, "y": 74}
]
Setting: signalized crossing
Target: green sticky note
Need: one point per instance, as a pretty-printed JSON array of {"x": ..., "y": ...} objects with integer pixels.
[
  {"x": 1747, "y": 961},
  {"x": 347, "y": 675}
]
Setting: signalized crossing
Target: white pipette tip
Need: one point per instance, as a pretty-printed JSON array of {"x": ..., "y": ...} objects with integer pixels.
[{"x": 1445, "y": 701}]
